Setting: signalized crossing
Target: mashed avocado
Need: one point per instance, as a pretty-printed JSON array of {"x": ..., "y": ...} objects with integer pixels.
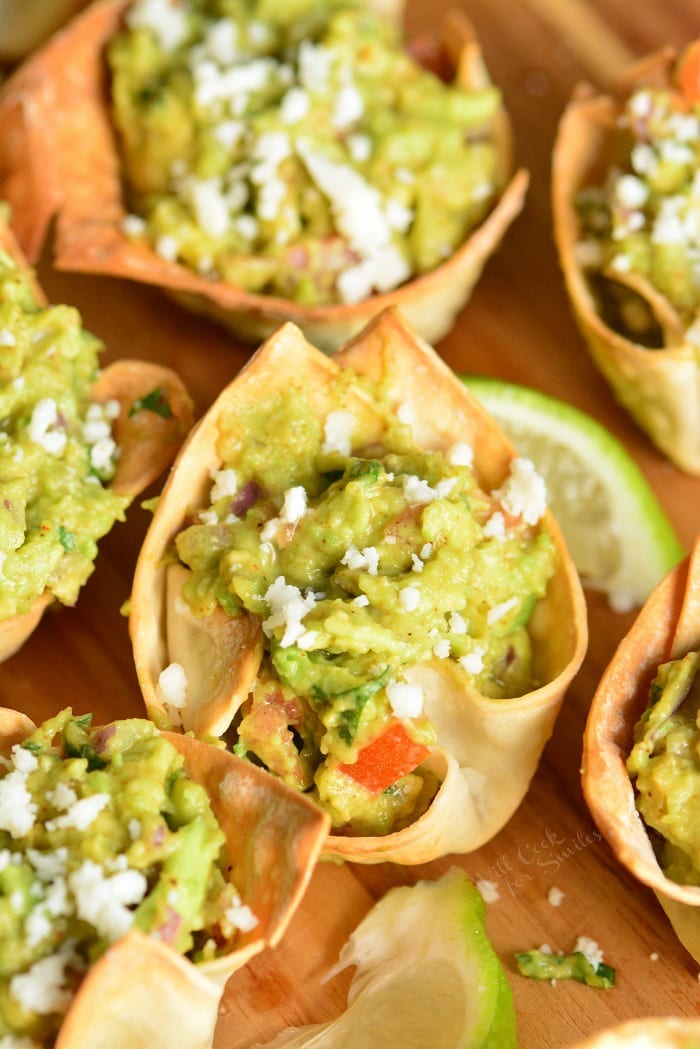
[
  {"x": 101, "y": 831},
  {"x": 665, "y": 766},
  {"x": 295, "y": 149},
  {"x": 56, "y": 449},
  {"x": 363, "y": 558},
  {"x": 644, "y": 221}
]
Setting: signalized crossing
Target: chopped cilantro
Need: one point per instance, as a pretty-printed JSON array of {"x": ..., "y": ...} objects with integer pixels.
[
  {"x": 67, "y": 539},
  {"x": 155, "y": 402}
]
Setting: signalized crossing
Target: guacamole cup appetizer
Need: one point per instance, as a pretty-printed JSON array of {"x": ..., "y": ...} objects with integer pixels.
[
  {"x": 626, "y": 199},
  {"x": 76, "y": 446},
  {"x": 262, "y": 163},
  {"x": 138, "y": 870},
  {"x": 352, "y": 579},
  {"x": 657, "y": 1033},
  {"x": 640, "y": 767}
]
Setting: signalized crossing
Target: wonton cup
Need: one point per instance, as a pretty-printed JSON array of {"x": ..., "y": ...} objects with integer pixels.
[
  {"x": 659, "y": 387},
  {"x": 667, "y": 628},
  {"x": 657, "y": 1033},
  {"x": 148, "y": 442},
  {"x": 60, "y": 157},
  {"x": 142, "y": 994},
  {"x": 487, "y": 749}
]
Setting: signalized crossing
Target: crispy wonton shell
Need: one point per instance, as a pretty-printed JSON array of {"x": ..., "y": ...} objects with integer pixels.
[
  {"x": 659, "y": 387},
  {"x": 59, "y": 156},
  {"x": 667, "y": 627},
  {"x": 657, "y": 1033},
  {"x": 148, "y": 442},
  {"x": 142, "y": 994},
  {"x": 487, "y": 749}
]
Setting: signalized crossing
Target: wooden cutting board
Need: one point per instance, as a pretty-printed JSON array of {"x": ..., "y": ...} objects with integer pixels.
[{"x": 517, "y": 326}]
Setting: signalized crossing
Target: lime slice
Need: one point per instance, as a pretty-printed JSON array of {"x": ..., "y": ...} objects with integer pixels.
[
  {"x": 618, "y": 536},
  {"x": 426, "y": 977}
]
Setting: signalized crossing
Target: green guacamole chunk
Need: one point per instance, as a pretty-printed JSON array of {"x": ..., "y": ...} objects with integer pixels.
[
  {"x": 56, "y": 449},
  {"x": 665, "y": 767},
  {"x": 640, "y": 229},
  {"x": 296, "y": 149},
  {"x": 365, "y": 557},
  {"x": 101, "y": 831},
  {"x": 544, "y": 965}
]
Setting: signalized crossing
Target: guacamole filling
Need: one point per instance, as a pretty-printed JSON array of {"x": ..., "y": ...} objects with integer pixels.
[
  {"x": 295, "y": 149},
  {"x": 640, "y": 230},
  {"x": 665, "y": 767},
  {"x": 56, "y": 449},
  {"x": 101, "y": 831},
  {"x": 364, "y": 556}
]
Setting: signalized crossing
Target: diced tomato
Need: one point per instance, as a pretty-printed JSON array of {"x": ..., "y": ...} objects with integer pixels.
[
  {"x": 689, "y": 73},
  {"x": 386, "y": 758}
]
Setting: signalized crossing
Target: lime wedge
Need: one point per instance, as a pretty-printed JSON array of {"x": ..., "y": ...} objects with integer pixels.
[
  {"x": 426, "y": 977},
  {"x": 617, "y": 533}
]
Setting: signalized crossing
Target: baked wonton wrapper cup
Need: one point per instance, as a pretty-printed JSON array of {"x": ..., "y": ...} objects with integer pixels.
[
  {"x": 660, "y": 387},
  {"x": 148, "y": 441},
  {"x": 60, "y": 157},
  {"x": 667, "y": 627},
  {"x": 657, "y": 1033},
  {"x": 142, "y": 994},
  {"x": 487, "y": 749}
]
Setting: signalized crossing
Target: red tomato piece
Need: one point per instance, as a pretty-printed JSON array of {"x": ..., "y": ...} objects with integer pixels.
[{"x": 386, "y": 758}]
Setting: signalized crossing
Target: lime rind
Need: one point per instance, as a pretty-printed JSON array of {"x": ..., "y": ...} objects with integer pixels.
[{"x": 647, "y": 544}]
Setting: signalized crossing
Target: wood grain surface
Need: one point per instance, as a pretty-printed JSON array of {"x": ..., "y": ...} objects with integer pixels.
[{"x": 517, "y": 326}]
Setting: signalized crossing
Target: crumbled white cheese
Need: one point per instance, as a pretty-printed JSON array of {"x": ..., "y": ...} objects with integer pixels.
[
  {"x": 488, "y": 890},
  {"x": 416, "y": 563},
  {"x": 294, "y": 505},
  {"x": 225, "y": 484},
  {"x": 360, "y": 147},
  {"x": 499, "y": 611},
  {"x": 294, "y": 106},
  {"x": 359, "y": 560},
  {"x": 409, "y": 598},
  {"x": 81, "y": 814},
  {"x": 348, "y": 107},
  {"x": 43, "y": 989},
  {"x": 166, "y": 21},
  {"x": 208, "y": 517},
  {"x": 337, "y": 432},
  {"x": 523, "y": 493},
  {"x": 473, "y": 662},
  {"x": 405, "y": 700},
  {"x": 287, "y": 609},
  {"x": 167, "y": 247},
  {"x": 7, "y": 338},
  {"x": 172, "y": 685},
  {"x": 61, "y": 797},
  {"x": 441, "y": 650},
  {"x": 361, "y": 601},
  {"x": 240, "y": 916},
  {"x": 460, "y": 454},
  {"x": 456, "y": 623},
  {"x": 44, "y": 418},
  {"x": 631, "y": 192},
  {"x": 495, "y": 527},
  {"x": 590, "y": 950},
  {"x": 49, "y": 865},
  {"x": 104, "y": 901},
  {"x": 555, "y": 896},
  {"x": 18, "y": 809},
  {"x": 426, "y": 551}
]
